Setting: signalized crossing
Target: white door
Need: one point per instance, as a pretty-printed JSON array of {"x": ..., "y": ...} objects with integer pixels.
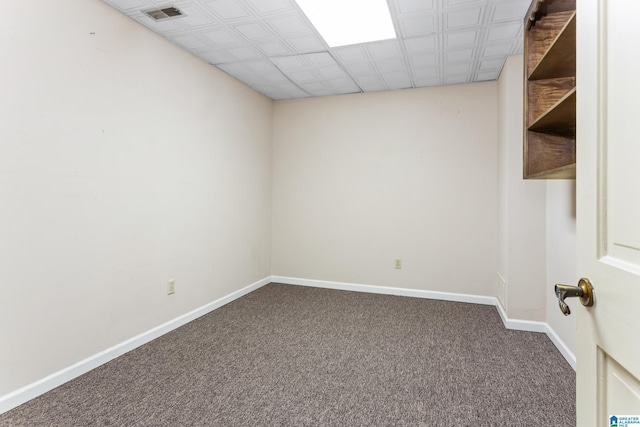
[{"x": 608, "y": 182}]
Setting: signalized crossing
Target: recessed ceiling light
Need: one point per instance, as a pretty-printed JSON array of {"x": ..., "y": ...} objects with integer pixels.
[{"x": 345, "y": 22}]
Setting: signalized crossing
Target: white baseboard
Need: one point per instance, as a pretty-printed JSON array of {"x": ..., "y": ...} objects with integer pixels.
[
  {"x": 532, "y": 326},
  {"x": 386, "y": 290},
  {"x": 515, "y": 324},
  {"x": 24, "y": 394}
]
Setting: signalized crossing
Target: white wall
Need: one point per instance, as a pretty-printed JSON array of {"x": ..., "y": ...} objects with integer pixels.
[
  {"x": 536, "y": 232},
  {"x": 124, "y": 162},
  {"x": 522, "y": 209},
  {"x": 561, "y": 255},
  {"x": 360, "y": 180}
]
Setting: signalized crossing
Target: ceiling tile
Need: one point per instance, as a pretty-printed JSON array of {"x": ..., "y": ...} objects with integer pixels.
[
  {"x": 289, "y": 62},
  {"x": 273, "y": 48},
  {"x": 497, "y": 50},
  {"x": 228, "y": 9},
  {"x": 188, "y": 41},
  {"x": 412, "y": 6},
  {"x": 463, "y": 18},
  {"x": 307, "y": 43},
  {"x": 460, "y": 38},
  {"x": 252, "y": 31},
  {"x": 220, "y": 37},
  {"x": 459, "y": 55},
  {"x": 397, "y": 80},
  {"x": 242, "y": 53},
  {"x": 127, "y": 5},
  {"x": 510, "y": 10},
  {"x": 269, "y": 6},
  {"x": 418, "y": 26},
  {"x": 264, "y": 43},
  {"x": 424, "y": 60},
  {"x": 504, "y": 31},
  {"x": 196, "y": 17},
  {"x": 286, "y": 25},
  {"x": 420, "y": 45}
]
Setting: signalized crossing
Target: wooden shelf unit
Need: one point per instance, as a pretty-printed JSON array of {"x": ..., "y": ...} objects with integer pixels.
[{"x": 550, "y": 90}]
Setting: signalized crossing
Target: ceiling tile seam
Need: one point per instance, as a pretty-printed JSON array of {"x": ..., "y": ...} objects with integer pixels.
[
  {"x": 478, "y": 49},
  {"x": 407, "y": 64},
  {"x": 345, "y": 70},
  {"x": 286, "y": 76}
]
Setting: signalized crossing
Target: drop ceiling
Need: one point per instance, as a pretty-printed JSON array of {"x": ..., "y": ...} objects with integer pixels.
[{"x": 272, "y": 47}]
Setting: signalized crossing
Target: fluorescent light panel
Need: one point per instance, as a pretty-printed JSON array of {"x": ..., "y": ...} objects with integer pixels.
[{"x": 345, "y": 22}]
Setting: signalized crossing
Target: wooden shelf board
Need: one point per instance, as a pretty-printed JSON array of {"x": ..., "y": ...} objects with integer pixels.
[
  {"x": 543, "y": 95},
  {"x": 559, "y": 59},
  {"x": 562, "y": 115},
  {"x": 562, "y": 172}
]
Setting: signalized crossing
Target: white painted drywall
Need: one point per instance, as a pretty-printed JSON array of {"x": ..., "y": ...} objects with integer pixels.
[
  {"x": 360, "y": 180},
  {"x": 561, "y": 255},
  {"x": 124, "y": 162},
  {"x": 521, "y": 207}
]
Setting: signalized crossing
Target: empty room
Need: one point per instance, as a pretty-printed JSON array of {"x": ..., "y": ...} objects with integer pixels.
[{"x": 215, "y": 214}]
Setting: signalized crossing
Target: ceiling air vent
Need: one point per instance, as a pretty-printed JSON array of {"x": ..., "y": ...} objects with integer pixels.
[{"x": 164, "y": 13}]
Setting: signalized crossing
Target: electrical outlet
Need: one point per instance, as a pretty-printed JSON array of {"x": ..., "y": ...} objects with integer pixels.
[
  {"x": 398, "y": 263},
  {"x": 171, "y": 287}
]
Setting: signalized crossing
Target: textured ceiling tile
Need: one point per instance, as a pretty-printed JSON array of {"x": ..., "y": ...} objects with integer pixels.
[
  {"x": 351, "y": 54},
  {"x": 243, "y": 53},
  {"x": 308, "y": 43},
  {"x": 360, "y": 68},
  {"x": 510, "y": 10},
  {"x": 272, "y": 48},
  {"x": 460, "y": 38},
  {"x": 488, "y": 75},
  {"x": 451, "y": 3},
  {"x": 302, "y": 76},
  {"x": 216, "y": 57},
  {"x": 491, "y": 64},
  {"x": 194, "y": 17},
  {"x": 420, "y": 45},
  {"x": 424, "y": 60},
  {"x": 427, "y": 81},
  {"x": 220, "y": 37},
  {"x": 418, "y": 26},
  {"x": 504, "y": 31},
  {"x": 289, "y": 62},
  {"x": 384, "y": 50},
  {"x": 391, "y": 64},
  {"x": 459, "y": 55},
  {"x": 253, "y": 31},
  {"x": 254, "y": 39},
  {"x": 412, "y": 6},
  {"x": 318, "y": 59},
  {"x": 228, "y": 9},
  {"x": 288, "y": 24},
  {"x": 458, "y": 68},
  {"x": 127, "y": 5},
  {"x": 158, "y": 26},
  {"x": 497, "y": 50},
  {"x": 463, "y": 18},
  {"x": 269, "y": 6},
  {"x": 397, "y": 80},
  {"x": 454, "y": 80},
  {"x": 331, "y": 71},
  {"x": 370, "y": 83},
  {"x": 188, "y": 42}
]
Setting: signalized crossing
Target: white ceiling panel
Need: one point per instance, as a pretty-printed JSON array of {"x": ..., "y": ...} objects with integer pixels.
[{"x": 271, "y": 46}]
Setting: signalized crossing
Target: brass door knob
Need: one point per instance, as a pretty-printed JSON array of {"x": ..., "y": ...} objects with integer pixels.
[{"x": 584, "y": 291}]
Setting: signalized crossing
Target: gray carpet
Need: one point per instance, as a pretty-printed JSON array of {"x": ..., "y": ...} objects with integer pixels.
[{"x": 296, "y": 356}]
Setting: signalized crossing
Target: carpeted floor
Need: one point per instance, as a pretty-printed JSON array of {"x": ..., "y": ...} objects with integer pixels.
[{"x": 297, "y": 356}]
